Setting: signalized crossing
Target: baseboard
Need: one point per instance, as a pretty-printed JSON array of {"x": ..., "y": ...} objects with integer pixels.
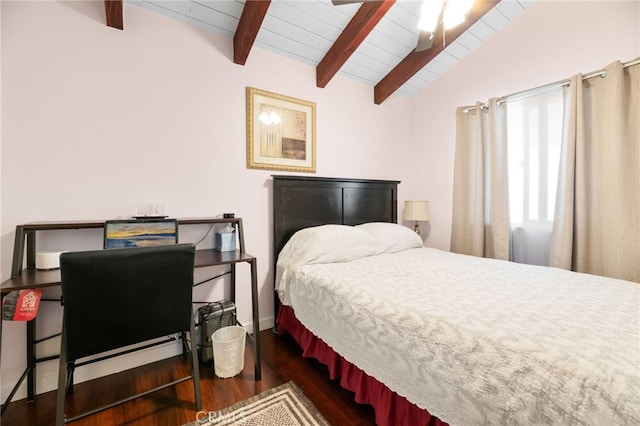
[{"x": 47, "y": 372}]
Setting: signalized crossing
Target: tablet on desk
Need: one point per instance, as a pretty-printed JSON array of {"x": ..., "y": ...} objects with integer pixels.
[{"x": 140, "y": 233}]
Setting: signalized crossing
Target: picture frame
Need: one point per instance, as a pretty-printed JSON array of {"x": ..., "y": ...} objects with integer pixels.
[{"x": 281, "y": 132}]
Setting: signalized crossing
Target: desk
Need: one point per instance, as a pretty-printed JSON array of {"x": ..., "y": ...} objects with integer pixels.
[{"x": 31, "y": 278}]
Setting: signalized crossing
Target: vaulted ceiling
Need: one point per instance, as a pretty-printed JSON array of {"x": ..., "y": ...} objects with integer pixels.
[{"x": 372, "y": 42}]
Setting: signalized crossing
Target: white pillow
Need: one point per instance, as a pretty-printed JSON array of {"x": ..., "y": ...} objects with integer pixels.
[
  {"x": 391, "y": 236},
  {"x": 321, "y": 244},
  {"x": 329, "y": 243}
]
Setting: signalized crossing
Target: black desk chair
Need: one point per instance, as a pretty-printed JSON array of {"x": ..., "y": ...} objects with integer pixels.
[{"x": 116, "y": 298}]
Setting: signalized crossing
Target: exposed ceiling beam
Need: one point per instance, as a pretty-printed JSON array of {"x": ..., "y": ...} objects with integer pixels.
[
  {"x": 251, "y": 19},
  {"x": 113, "y": 13},
  {"x": 415, "y": 61},
  {"x": 362, "y": 23}
]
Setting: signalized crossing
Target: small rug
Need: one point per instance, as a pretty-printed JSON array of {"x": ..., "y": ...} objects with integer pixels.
[{"x": 284, "y": 405}]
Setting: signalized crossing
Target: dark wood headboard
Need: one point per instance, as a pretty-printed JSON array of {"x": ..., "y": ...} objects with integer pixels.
[{"x": 302, "y": 201}]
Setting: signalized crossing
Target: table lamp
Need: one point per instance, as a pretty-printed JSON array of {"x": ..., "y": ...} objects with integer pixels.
[{"x": 416, "y": 211}]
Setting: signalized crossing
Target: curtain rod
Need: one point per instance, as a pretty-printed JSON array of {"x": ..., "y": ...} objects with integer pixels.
[{"x": 550, "y": 86}]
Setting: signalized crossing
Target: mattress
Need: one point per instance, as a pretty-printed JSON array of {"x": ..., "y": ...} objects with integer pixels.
[{"x": 478, "y": 341}]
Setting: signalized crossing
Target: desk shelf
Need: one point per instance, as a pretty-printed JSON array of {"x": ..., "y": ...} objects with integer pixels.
[
  {"x": 35, "y": 278},
  {"x": 26, "y": 238},
  {"x": 31, "y": 278}
]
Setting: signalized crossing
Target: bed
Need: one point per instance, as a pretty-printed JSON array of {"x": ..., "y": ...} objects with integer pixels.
[{"x": 427, "y": 336}]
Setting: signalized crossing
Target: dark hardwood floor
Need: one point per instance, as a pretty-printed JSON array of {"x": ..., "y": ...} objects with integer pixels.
[{"x": 281, "y": 362}]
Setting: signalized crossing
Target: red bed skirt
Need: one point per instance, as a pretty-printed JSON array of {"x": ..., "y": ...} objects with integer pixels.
[{"x": 390, "y": 408}]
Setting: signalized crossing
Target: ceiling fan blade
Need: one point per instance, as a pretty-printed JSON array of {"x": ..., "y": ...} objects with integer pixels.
[
  {"x": 425, "y": 41},
  {"x": 426, "y": 38}
]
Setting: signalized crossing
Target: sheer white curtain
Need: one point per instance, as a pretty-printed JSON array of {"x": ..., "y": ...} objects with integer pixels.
[{"x": 535, "y": 143}]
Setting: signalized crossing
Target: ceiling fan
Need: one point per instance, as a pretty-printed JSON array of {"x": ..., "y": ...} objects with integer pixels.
[{"x": 434, "y": 15}]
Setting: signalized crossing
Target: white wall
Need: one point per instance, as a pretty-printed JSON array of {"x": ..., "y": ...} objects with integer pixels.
[
  {"x": 550, "y": 41},
  {"x": 95, "y": 120}
]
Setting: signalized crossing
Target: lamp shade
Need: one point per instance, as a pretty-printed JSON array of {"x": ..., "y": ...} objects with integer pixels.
[{"x": 416, "y": 210}]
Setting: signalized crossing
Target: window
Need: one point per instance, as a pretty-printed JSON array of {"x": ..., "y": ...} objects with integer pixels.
[
  {"x": 535, "y": 135},
  {"x": 534, "y": 130}
]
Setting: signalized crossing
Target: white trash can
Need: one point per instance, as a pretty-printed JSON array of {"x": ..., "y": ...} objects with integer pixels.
[{"x": 228, "y": 350}]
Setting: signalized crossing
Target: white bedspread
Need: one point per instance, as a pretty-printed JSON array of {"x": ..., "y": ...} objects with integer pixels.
[{"x": 478, "y": 341}]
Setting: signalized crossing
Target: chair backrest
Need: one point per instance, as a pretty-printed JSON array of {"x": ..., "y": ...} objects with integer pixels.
[{"x": 114, "y": 298}]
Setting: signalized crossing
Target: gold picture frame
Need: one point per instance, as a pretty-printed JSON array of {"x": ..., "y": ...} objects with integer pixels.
[{"x": 281, "y": 132}]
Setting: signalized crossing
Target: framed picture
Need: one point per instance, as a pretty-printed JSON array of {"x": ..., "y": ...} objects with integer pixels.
[{"x": 281, "y": 132}]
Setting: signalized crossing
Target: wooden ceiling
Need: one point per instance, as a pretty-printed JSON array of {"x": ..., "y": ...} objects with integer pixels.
[{"x": 361, "y": 24}]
